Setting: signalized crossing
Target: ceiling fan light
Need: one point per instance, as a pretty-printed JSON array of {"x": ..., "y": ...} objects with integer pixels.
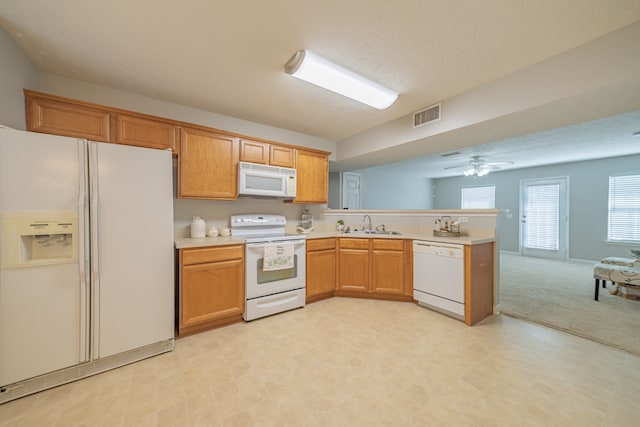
[
  {"x": 483, "y": 171},
  {"x": 470, "y": 172},
  {"x": 319, "y": 71}
]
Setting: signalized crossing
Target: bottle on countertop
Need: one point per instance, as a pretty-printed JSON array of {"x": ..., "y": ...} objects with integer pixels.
[{"x": 306, "y": 222}]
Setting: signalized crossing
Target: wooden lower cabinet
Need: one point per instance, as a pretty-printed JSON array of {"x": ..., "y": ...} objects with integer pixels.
[
  {"x": 211, "y": 287},
  {"x": 478, "y": 282},
  {"x": 321, "y": 269},
  {"x": 353, "y": 265},
  {"x": 388, "y": 269},
  {"x": 375, "y": 268}
]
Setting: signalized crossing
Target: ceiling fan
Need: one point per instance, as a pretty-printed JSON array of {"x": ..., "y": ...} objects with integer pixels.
[{"x": 478, "y": 166}]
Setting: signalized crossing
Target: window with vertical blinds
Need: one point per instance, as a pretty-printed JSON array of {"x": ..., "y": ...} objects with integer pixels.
[
  {"x": 542, "y": 207},
  {"x": 479, "y": 197},
  {"x": 624, "y": 208}
]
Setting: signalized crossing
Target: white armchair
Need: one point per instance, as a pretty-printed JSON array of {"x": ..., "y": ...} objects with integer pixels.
[{"x": 623, "y": 272}]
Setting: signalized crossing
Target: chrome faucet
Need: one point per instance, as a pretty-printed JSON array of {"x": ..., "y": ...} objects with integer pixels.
[{"x": 370, "y": 226}]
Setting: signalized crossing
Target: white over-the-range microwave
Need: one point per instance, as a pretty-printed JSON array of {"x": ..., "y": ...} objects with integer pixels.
[{"x": 266, "y": 181}]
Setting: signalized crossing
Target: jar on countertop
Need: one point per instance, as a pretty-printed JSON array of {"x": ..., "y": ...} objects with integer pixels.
[{"x": 197, "y": 228}]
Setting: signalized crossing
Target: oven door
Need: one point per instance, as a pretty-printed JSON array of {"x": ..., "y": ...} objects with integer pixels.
[{"x": 261, "y": 283}]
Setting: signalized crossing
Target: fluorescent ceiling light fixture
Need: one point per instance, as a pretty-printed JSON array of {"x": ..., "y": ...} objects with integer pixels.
[{"x": 314, "y": 69}]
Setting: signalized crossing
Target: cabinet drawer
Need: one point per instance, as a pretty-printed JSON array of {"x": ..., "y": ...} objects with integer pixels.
[
  {"x": 354, "y": 243},
  {"x": 211, "y": 254},
  {"x": 320, "y": 244},
  {"x": 388, "y": 244}
]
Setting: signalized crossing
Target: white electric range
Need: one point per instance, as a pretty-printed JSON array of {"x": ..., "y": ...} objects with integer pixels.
[{"x": 269, "y": 292}]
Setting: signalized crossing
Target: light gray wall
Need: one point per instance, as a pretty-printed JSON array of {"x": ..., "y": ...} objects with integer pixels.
[
  {"x": 16, "y": 73},
  {"x": 380, "y": 189},
  {"x": 588, "y": 202}
]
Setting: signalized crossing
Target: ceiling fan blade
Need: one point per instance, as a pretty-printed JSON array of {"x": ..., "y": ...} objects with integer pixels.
[
  {"x": 500, "y": 163},
  {"x": 461, "y": 165}
]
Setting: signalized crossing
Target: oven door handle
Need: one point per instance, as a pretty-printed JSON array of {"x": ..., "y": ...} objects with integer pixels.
[{"x": 262, "y": 245}]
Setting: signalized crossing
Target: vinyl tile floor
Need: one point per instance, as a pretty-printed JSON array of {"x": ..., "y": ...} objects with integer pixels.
[{"x": 351, "y": 362}]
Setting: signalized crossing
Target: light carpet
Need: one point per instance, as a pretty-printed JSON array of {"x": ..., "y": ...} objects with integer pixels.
[{"x": 560, "y": 295}]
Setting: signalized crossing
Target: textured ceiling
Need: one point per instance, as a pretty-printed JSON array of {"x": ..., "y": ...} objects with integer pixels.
[
  {"x": 607, "y": 137},
  {"x": 227, "y": 56}
]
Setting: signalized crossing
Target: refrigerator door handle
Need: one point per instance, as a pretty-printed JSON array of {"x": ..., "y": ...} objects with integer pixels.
[
  {"x": 94, "y": 216},
  {"x": 83, "y": 250}
]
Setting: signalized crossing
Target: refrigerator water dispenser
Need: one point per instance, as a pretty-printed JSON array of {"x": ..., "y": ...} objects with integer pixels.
[{"x": 35, "y": 239}]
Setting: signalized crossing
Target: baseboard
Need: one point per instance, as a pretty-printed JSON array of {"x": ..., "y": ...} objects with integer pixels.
[
  {"x": 73, "y": 373},
  {"x": 509, "y": 252}
]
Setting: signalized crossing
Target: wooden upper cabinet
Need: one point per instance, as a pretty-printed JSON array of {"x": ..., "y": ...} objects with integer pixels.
[
  {"x": 254, "y": 152},
  {"x": 59, "y": 116},
  {"x": 208, "y": 166},
  {"x": 312, "y": 171},
  {"x": 266, "y": 154},
  {"x": 282, "y": 156},
  {"x": 144, "y": 132}
]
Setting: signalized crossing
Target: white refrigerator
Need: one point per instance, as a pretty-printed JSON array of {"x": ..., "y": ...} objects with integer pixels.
[{"x": 86, "y": 258}]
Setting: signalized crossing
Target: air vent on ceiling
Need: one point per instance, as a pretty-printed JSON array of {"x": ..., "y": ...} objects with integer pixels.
[{"x": 428, "y": 115}]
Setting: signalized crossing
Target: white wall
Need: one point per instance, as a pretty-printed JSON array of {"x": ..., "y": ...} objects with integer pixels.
[
  {"x": 16, "y": 73},
  {"x": 588, "y": 202}
]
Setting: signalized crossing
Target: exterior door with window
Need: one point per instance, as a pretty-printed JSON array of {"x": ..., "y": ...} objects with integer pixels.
[{"x": 544, "y": 218}]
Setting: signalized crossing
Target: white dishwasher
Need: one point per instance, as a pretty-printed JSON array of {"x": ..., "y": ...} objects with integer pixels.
[{"x": 438, "y": 276}]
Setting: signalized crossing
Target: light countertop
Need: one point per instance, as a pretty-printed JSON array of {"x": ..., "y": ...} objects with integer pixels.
[{"x": 186, "y": 242}]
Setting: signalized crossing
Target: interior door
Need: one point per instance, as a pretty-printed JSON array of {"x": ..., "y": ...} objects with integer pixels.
[
  {"x": 544, "y": 218},
  {"x": 350, "y": 190}
]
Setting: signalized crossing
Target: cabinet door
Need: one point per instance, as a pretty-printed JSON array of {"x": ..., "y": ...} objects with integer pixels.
[
  {"x": 59, "y": 117},
  {"x": 353, "y": 270},
  {"x": 312, "y": 171},
  {"x": 210, "y": 292},
  {"x": 145, "y": 133},
  {"x": 321, "y": 272},
  {"x": 387, "y": 272},
  {"x": 208, "y": 166},
  {"x": 478, "y": 274},
  {"x": 254, "y": 152},
  {"x": 281, "y": 156}
]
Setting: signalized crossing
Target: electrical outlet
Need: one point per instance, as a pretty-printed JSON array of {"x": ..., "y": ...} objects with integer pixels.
[{"x": 462, "y": 219}]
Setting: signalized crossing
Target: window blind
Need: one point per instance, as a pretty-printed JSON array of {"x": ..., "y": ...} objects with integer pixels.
[
  {"x": 624, "y": 208},
  {"x": 479, "y": 197},
  {"x": 542, "y": 208}
]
